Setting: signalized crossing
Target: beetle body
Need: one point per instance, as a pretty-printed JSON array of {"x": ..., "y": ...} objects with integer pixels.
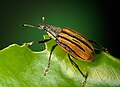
[{"x": 70, "y": 41}]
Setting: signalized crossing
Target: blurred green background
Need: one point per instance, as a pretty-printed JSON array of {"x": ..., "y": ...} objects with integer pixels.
[{"x": 95, "y": 19}]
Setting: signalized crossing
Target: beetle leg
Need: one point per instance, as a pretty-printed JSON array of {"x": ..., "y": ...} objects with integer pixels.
[
  {"x": 31, "y": 43},
  {"x": 46, "y": 70},
  {"x": 101, "y": 47},
  {"x": 43, "y": 41},
  {"x": 76, "y": 66}
]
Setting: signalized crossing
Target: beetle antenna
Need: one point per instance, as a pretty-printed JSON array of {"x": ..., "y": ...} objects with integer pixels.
[
  {"x": 28, "y": 25},
  {"x": 43, "y": 19}
]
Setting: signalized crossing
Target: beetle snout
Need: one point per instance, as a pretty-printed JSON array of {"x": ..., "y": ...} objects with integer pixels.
[{"x": 41, "y": 26}]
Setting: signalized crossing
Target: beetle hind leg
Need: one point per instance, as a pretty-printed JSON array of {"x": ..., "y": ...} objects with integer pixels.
[
  {"x": 101, "y": 47},
  {"x": 76, "y": 66}
]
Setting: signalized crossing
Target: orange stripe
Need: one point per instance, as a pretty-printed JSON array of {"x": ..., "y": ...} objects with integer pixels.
[
  {"x": 78, "y": 37},
  {"x": 75, "y": 48}
]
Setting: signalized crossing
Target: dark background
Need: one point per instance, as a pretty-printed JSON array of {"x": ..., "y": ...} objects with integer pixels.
[{"x": 95, "y": 19}]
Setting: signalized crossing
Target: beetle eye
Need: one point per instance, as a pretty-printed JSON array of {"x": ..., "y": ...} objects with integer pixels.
[
  {"x": 44, "y": 27},
  {"x": 38, "y": 26},
  {"x": 41, "y": 27}
]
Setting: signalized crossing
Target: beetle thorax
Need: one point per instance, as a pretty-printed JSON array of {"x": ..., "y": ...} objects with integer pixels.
[{"x": 52, "y": 31}]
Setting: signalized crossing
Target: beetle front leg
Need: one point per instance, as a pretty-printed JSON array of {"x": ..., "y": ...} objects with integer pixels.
[
  {"x": 76, "y": 66},
  {"x": 38, "y": 42}
]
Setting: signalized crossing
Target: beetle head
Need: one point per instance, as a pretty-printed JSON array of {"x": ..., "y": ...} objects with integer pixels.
[
  {"x": 44, "y": 26},
  {"x": 52, "y": 31}
]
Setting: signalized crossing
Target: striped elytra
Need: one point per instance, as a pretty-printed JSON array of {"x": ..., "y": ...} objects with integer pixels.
[{"x": 75, "y": 44}]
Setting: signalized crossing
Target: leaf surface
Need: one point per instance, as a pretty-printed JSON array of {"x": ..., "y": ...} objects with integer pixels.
[{"x": 21, "y": 67}]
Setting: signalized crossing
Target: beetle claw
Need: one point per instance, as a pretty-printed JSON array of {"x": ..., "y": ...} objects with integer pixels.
[
  {"x": 45, "y": 71},
  {"x": 106, "y": 50},
  {"x": 84, "y": 82}
]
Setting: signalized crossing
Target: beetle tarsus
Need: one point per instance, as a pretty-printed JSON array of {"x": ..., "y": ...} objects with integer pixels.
[
  {"x": 84, "y": 82},
  {"x": 28, "y": 44},
  {"x": 106, "y": 50},
  {"x": 46, "y": 71}
]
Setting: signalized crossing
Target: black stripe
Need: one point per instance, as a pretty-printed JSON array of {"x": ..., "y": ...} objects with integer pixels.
[
  {"x": 68, "y": 48},
  {"x": 77, "y": 39},
  {"x": 72, "y": 42}
]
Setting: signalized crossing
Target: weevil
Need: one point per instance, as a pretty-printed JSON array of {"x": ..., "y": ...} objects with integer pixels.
[{"x": 71, "y": 42}]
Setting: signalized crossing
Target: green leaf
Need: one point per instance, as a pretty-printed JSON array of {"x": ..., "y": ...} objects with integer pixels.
[{"x": 21, "y": 67}]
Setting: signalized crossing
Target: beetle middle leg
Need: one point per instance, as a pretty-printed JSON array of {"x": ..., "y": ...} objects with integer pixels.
[
  {"x": 76, "y": 66},
  {"x": 46, "y": 70}
]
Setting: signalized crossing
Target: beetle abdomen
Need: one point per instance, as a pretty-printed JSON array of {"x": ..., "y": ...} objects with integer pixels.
[{"x": 75, "y": 44}]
